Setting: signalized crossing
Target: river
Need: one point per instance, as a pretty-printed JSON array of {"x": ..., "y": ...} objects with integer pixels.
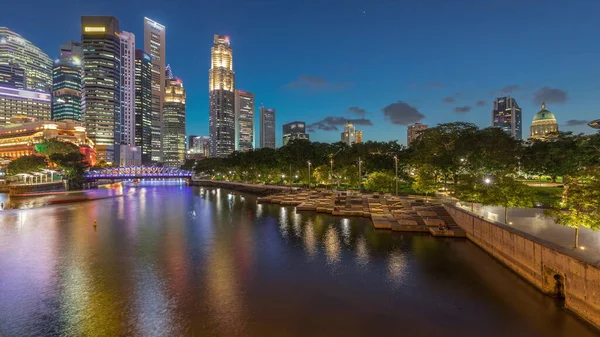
[{"x": 174, "y": 260}]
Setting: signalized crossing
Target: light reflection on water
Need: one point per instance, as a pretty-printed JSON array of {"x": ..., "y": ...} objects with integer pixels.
[{"x": 177, "y": 260}]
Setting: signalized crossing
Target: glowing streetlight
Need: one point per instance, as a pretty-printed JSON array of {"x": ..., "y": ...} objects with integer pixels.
[
  {"x": 396, "y": 166},
  {"x": 487, "y": 181},
  {"x": 309, "y": 164}
]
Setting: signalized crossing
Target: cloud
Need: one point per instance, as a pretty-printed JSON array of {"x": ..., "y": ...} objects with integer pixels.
[
  {"x": 361, "y": 121},
  {"x": 449, "y": 99},
  {"x": 401, "y": 113},
  {"x": 462, "y": 109},
  {"x": 333, "y": 123},
  {"x": 550, "y": 95},
  {"x": 509, "y": 89},
  {"x": 480, "y": 103},
  {"x": 357, "y": 110},
  {"x": 309, "y": 84},
  {"x": 576, "y": 122}
]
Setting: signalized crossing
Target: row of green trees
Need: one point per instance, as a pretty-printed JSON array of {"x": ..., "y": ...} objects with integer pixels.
[
  {"x": 475, "y": 165},
  {"x": 55, "y": 154}
]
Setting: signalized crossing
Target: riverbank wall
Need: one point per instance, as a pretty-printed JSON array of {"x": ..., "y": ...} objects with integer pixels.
[
  {"x": 258, "y": 189},
  {"x": 554, "y": 270}
]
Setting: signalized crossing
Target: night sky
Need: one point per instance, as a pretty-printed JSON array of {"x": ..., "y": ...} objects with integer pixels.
[{"x": 384, "y": 63}]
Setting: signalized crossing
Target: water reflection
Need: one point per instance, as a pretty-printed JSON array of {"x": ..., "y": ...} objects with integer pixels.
[
  {"x": 332, "y": 246},
  {"x": 175, "y": 261}
]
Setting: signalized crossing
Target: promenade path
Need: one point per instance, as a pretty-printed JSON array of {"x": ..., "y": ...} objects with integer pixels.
[{"x": 533, "y": 221}]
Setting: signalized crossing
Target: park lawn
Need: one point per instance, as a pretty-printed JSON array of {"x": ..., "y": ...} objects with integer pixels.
[{"x": 547, "y": 196}]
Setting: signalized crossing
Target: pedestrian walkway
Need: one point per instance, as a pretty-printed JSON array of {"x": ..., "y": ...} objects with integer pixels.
[{"x": 533, "y": 221}]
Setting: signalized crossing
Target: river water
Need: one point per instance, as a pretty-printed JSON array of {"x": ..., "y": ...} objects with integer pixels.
[{"x": 191, "y": 261}]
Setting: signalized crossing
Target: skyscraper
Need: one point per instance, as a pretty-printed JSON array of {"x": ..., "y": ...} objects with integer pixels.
[
  {"x": 143, "y": 105},
  {"x": 294, "y": 131},
  {"x": 359, "y": 137},
  {"x": 507, "y": 116},
  {"x": 66, "y": 83},
  {"x": 21, "y": 102},
  {"x": 198, "y": 147},
  {"x": 174, "y": 120},
  {"x": 127, "y": 89},
  {"x": 267, "y": 127},
  {"x": 349, "y": 134},
  {"x": 101, "y": 50},
  {"x": 37, "y": 66},
  {"x": 244, "y": 120},
  {"x": 154, "y": 45},
  {"x": 414, "y": 131},
  {"x": 12, "y": 76},
  {"x": 221, "y": 96}
]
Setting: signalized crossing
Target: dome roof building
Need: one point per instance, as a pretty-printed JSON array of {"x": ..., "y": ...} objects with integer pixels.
[{"x": 544, "y": 123}]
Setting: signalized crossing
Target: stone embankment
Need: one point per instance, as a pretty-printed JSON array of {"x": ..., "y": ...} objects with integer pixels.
[
  {"x": 554, "y": 270},
  {"x": 402, "y": 214}
]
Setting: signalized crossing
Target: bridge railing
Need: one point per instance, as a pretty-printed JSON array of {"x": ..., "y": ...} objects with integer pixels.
[{"x": 128, "y": 172}]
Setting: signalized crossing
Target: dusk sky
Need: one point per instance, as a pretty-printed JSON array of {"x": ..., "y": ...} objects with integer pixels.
[{"x": 385, "y": 63}]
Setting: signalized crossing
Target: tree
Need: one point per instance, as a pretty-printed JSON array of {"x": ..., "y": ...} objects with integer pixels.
[
  {"x": 580, "y": 205},
  {"x": 471, "y": 189},
  {"x": 380, "y": 182},
  {"x": 425, "y": 180},
  {"x": 321, "y": 174},
  {"x": 188, "y": 165},
  {"x": 52, "y": 146},
  {"x": 507, "y": 192},
  {"x": 562, "y": 155},
  {"x": 26, "y": 164},
  {"x": 73, "y": 165}
]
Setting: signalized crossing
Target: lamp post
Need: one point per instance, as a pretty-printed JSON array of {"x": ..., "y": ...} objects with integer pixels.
[
  {"x": 396, "y": 166},
  {"x": 359, "y": 175},
  {"x": 309, "y": 163}
]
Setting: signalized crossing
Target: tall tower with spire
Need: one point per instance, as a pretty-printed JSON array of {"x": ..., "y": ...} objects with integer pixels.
[{"x": 221, "y": 92}]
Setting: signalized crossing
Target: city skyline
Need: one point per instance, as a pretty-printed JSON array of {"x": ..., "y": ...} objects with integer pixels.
[{"x": 322, "y": 92}]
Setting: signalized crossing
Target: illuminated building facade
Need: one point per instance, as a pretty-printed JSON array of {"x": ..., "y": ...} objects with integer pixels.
[
  {"x": 143, "y": 105},
  {"x": 294, "y": 131},
  {"x": 22, "y": 134},
  {"x": 174, "y": 123},
  {"x": 267, "y": 127},
  {"x": 359, "y": 137},
  {"x": 221, "y": 98},
  {"x": 127, "y": 116},
  {"x": 544, "y": 124},
  {"x": 414, "y": 131},
  {"x": 244, "y": 120},
  {"x": 349, "y": 134},
  {"x": 36, "y": 65},
  {"x": 21, "y": 102},
  {"x": 155, "y": 46},
  {"x": 101, "y": 50},
  {"x": 506, "y": 115},
  {"x": 198, "y": 147},
  {"x": 13, "y": 76},
  {"x": 66, "y": 83}
]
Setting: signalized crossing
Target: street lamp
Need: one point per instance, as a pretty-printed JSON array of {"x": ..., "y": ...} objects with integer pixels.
[
  {"x": 396, "y": 166},
  {"x": 487, "y": 181},
  {"x": 359, "y": 175},
  {"x": 309, "y": 163},
  {"x": 330, "y": 171}
]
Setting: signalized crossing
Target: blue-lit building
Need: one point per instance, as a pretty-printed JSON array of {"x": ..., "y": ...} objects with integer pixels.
[
  {"x": 143, "y": 105},
  {"x": 66, "y": 83}
]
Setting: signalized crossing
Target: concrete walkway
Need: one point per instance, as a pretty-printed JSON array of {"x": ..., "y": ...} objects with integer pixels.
[{"x": 533, "y": 221}]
